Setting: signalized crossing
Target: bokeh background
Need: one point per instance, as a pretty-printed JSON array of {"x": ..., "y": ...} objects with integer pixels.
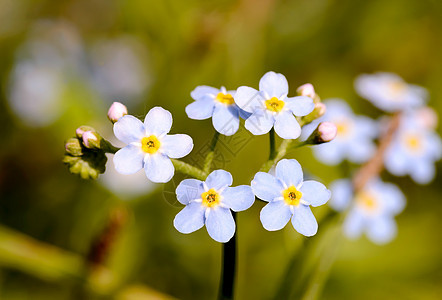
[{"x": 62, "y": 63}]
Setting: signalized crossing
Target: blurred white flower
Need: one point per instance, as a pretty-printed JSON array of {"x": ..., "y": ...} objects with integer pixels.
[{"x": 389, "y": 92}]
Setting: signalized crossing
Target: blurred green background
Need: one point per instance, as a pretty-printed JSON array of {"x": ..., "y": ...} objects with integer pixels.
[{"x": 62, "y": 63}]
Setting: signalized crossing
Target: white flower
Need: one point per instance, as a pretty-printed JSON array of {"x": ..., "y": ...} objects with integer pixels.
[
  {"x": 149, "y": 145},
  {"x": 389, "y": 92},
  {"x": 270, "y": 107}
]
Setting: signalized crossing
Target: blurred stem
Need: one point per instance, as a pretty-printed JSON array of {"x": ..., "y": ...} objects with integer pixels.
[
  {"x": 190, "y": 170},
  {"x": 209, "y": 158},
  {"x": 228, "y": 267},
  {"x": 287, "y": 287}
]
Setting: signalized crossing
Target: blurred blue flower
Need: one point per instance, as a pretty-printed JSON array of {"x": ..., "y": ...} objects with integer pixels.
[
  {"x": 354, "y": 139},
  {"x": 389, "y": 92},
  {"x": 414, "y": 149},
  {"x": 371, "y": 210},
  {"x": 289, "y": 196},
  {"x": 218, "y": 104},
  {"x": 270, "y": 107},
  {"x": 209, "y": 203},
  {"x": 149, "y": 145}
]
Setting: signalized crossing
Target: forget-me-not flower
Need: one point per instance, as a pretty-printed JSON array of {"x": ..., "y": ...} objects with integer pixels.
[
  {"x": 149, "y": 145},
  {"x": 389, "y": 92},
  {"x": 414, "y": 149},
  {"x": 270, "y": 107},
  {"x": 218, "y": 104},
  {"x": 354, "y": 138},
  {"x": 372, "y": 209},
  {"x": 289, "y": 196},
  {"x": 209, "y": 203}
]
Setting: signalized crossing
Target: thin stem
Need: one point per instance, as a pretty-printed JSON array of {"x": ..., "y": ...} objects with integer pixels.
[
  {"x": 228, "y": 268},
  {"x": 190, "y": 170},
  {"x": 272, "y": 144},
  {"x": 280, "y": 153},
  {"x": 209, "y": 158}
]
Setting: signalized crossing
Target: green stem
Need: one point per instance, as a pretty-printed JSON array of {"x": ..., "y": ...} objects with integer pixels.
[
  {"x": 209, "y": 158},
  {"x": 190, "y": 170},
  {"x": 107, "y": 147},
  {"x": 279, "y": 154},
  {"x": 229, "y": 268},
  {"x": 272, "y": 144}
]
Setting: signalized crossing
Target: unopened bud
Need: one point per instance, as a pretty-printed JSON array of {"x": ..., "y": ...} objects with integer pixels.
[
  {"x": 73, "y": 147},
  {"x": 327, "y": 131},
  {"x": 116, "y": 111},
  {"x": 91, "y": 140},
  {"x": 324, "y": 133},
  {"x": 82, "y": 129},
  {"x": 306, "y": 90}
]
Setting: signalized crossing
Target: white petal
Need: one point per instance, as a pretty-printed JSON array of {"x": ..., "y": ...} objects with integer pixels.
[
  {"x": 342, "y": 193},
  {"x": 289, "y": 171},
  {"x": 275, "y": 215},
  {"x": 176, "y": 145},
  {"x": 300, "y": 106},
  {"x": 226, "y": 119},
  {"x": 219, "y": 179},
  {"x": 423, "y": 171},
  {"x": 304, "y": 221},
  {"x": 260, "y": 122},
  {"x": 158, "y": 168},
  {"x": 220, "y": 224},
  {"x": 274, "y": 84},
  {"x": 188, "y": 190},
  {"x": 129, "y": 160},
  {"x": 200, "y": 110},
  {"x": 354, "y": 224},
  {"x": 190, "y": 218},
  {"x": 129, "y": 129},
  {"x": 286, "y": 126},
  {"x": 248, "y": 99},
  {"x": 158, "y": 121},
  {"x": 202, "y": 91},
  {"x": 331, "y": 153},
  {"x": 238, "y": 198},
  {"x": 382, "y": 230},
  {"x": 266, "y": 186},
  {"x": 315, "y": 193}
]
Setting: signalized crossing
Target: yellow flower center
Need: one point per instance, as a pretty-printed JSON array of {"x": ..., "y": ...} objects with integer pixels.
[
  {"x": 413, "y": 142},
  {"x": 150, "y": 144},
  {"x": 397, "y": 88},
  {"x": 292, "y": 196},
  {"x": 274, "y": 104},
  {"x": 342, "y": 128},
  {"x": 367, "y": 201},
  {"x": 210, "y": 198},
  {"x": 224, "y": 98}
]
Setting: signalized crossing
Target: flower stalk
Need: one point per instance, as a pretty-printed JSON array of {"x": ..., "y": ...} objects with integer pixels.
[{"x": 228, "y": 268}]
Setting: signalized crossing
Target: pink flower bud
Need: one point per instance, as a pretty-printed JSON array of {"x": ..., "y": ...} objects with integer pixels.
[
  {"x": 306, "y": 90},
  {"x": 116, "y": 111},
  {"x": 327, "y": 131},
  {"x": 320, "y": 109},
  {"x": 90, "y": 139}
]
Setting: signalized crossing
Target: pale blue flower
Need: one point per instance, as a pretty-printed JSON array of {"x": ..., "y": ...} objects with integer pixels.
[
  {"x": 414, "y": 150},
  {"x": 209, "y": 203},
  {"x": 149, "y": 146},
  {"x": 270, "y": 107},
  {"x": 389, "y": 92},
  {"x": 354, "y": 139},
  {"x": 371, "y": 211},
  {"x": 289, "y": 197},
  {"x": 217, "y": 104}
]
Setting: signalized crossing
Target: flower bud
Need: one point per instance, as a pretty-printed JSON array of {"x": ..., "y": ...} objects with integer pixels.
[
  {"x": 327, "y": 131},
  {"x": 116, "y": 111},
  {"x": 82, "y": 129},
  {"x": 91, "y": 140},
  {"x": 324, "y": 133},
  {"x": 306, "y": 90},
  {"x": 73, "y": 147}
]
